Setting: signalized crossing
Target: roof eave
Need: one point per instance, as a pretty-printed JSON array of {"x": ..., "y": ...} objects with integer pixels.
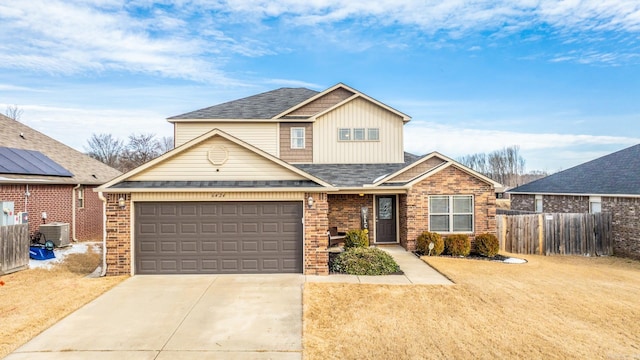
[{"x": 572, "y": 194}]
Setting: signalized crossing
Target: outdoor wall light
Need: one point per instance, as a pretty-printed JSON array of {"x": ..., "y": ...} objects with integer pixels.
[
  {"x": 310, "y": 202},
  {"x": 122, "y": 203}
]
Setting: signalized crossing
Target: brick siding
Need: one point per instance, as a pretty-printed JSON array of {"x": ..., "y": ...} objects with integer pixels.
[
  {"x": 316, "y": 223},
  {"x": 344, "y": 212},
  {"x": 450, "y": 181},
  {"x": 626, "y": 220},
  {"x": 56, "y": 201},
  {"x": 118, "y": 235}
]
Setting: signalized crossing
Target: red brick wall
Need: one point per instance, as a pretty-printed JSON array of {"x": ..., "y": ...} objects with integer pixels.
[
  {"x": 316, "y": 223},
  {"x": 625, "y": 211},
  {"x": 344, "y": 212},
  {"x": 118, "y": 235},
  {"x": 56, "y": 201},
  {"x": 450, "y": 181}
]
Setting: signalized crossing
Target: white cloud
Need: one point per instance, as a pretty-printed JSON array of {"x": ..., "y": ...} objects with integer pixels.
[{"x": 425, "y": 137}]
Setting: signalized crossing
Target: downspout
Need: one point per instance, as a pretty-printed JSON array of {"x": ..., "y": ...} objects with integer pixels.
[
  {"x": 104, "y": 233},
  {"x": 73, "y": 212}
]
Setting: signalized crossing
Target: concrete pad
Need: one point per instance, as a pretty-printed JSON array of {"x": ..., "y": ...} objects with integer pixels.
[
  {"x": 245, "y": 313},
  {"x": 83, "y": 355},
  {"x": 417, "y": 271},
  {"x": 222, "y": 355}
]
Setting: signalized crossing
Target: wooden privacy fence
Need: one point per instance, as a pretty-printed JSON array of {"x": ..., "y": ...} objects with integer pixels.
[
  {"x": 14, "y": 248},
  {"x": 557, "y": 233}
]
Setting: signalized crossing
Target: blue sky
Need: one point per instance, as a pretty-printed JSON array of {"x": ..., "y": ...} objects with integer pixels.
[{"x": 561, "y": 79}]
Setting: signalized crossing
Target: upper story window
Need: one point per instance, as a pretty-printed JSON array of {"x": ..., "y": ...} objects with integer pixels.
[
  {"x": 451, "y": 213},
  {"x": 373, "y": 134},
  {"x": 539, "y": 203},
  {"x": 297, "y": 138},
  {"x": 595, "y": 204},
  {"x": 359, "y": 134},
  {"x": 344, "y": 134}
]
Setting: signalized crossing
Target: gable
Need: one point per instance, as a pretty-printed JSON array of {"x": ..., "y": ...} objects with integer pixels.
[
  {"x": 321, "y": 104},
  {"x": 417, "y": 170},
  {"x": 216, "y": 159}
]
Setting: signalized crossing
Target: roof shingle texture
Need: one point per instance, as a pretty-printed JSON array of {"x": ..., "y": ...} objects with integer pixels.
[
  {"x": 614, "y": 174},
  {"x": 85, "y": 170},
  {"x": 354, "y": 175},
  {"x": 265, "y": 105}
]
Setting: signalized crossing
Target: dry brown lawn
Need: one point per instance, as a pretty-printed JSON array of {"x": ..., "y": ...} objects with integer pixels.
[
  {"x": 33, "y": 300},
  {"x": 549, "y": 308}
]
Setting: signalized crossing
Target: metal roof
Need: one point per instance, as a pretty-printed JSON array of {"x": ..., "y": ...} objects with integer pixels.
[{"x": 29, "y": 162}]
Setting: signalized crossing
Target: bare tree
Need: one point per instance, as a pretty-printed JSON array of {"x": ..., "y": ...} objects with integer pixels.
[
  {"x": 505, "y": 166},
  {"x": 14, "y": 112},
  {"x": 166, "y": 144},
  {"x": 105, "y": 148},
  {"x": 140, "y": 149}
]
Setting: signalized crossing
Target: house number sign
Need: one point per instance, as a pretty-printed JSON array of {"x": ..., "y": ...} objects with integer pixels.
[{"x": 218, "y": 195}]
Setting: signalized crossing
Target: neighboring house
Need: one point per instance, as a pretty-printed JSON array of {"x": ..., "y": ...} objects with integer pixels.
[
  {"x": 608, "y": 184},
  {"x": 255, "y": 184},
  {"x": 41, "y": 175}
]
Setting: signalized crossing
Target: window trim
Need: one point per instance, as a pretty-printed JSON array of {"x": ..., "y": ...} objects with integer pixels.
[
  {"x": 340, "y": 132},
  {"x": 364, "y": 134},
  {"x": 292, "y": 138},
  {"x": 377, "y": 131},
  {"x": 80, "y": 192},
  {"x": 540, "y": 199},
  {"x": 595, "y": 200},
  {"x": 451, "y": 214}
]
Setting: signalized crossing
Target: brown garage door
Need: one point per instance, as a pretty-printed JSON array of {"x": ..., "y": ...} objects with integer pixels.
[{"x": 218, "y": 237}]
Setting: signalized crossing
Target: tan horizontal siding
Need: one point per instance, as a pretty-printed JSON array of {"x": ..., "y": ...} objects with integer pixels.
[
  {"x": 218, "y": 196},
  {"x": 323, "y": 103},
  {"x": 417, "y": 170},
  {"x": 358, "y": 113},
  {"x": 261, "y": 135},
  {"x": 296, "y": 155},
  {"x": 193, "y": 164}
]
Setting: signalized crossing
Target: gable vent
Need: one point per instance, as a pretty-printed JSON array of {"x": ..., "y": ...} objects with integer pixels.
[{"x": 218, "y": 155}]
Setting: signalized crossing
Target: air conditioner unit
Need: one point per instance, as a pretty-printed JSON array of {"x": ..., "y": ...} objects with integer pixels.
[{"x": 56, "y": 232}]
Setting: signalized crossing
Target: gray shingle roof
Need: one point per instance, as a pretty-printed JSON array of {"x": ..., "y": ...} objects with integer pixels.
[
  {"x": 212, "y": 184},
  {"x": 616, "y": 174},
  {"x": 354, "y": 175},
  {"x": 261, "y": 106},
  {"x": 85, "y": 170}
]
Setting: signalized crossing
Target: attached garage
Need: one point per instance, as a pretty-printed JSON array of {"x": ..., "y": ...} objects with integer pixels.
[{"x": 232, "y": 237}]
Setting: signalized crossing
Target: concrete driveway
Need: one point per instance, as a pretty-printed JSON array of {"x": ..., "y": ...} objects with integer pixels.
[{"x": 182, "y": 317}]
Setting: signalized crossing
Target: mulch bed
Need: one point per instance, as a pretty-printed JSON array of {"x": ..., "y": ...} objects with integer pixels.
[{"x": 498, "y": 257}]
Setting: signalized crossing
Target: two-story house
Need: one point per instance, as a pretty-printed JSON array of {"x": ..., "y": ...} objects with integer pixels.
[{"x": 254, "y": 185}]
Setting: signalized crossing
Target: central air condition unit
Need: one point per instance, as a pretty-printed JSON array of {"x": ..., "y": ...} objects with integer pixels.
[{"x": 56, "y": 232}]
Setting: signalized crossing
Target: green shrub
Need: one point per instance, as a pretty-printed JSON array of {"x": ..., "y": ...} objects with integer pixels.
[
  {"x": 486, "y": 245},
  {"x": 356, "y": 238},
  {"x": 423, "y": 241},
  {"x": 457, "y": 245},
  {"x": 365, "y": 261}
]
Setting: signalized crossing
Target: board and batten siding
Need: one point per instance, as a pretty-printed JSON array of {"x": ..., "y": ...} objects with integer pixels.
[
  {"x": 358, "y": 113},
  {"x": 261, "y": 135},
  {"x": 194, "y": 165}
]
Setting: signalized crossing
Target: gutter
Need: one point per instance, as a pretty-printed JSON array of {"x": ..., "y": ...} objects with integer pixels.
[
  {"x": 104, "y": 233},
  {"x": 73, "y": 212}
]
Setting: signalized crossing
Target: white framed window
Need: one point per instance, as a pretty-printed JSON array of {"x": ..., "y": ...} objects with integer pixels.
[
  {"x": 451, "y": 213},
  {"x": 373, "y": 134},
  {"x": 358, "y": 134},
  {"x": 81, "y": 197},
  {"x": 344, "y": 134},
  {"x": 539, "y": 207},
  {"x": 297, "y": 138},
  {"x": 595, "y": 204}
]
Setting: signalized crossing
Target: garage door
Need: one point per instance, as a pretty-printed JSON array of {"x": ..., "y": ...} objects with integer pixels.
[{"x": 218, "y": 237}]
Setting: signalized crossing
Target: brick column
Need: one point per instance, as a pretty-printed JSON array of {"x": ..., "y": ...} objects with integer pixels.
[
  {"x": 316, "y": 224},
  {"x": 118, "y": 235}
]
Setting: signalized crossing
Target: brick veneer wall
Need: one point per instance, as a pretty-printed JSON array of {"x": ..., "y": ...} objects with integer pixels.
[
  {"x": 316, "y": 223},
  {"x": 626, "y": 219},
  {"x": 450, "y": 181},
  {"x": 118, "y": 235},
  {"x": 56, "y": 201},
  {"x": 344, "y": 212}
]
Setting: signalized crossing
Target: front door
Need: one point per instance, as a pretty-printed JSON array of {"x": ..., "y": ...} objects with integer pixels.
[{"x": 386, "y": 219}]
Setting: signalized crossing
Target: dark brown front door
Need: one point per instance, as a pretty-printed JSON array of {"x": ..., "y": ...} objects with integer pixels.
[{"x": 386, "y": 219}]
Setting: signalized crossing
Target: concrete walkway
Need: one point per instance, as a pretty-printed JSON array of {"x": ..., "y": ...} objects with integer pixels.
[
  {"x": 416, "y": 272},
  {"x": 181, "y": 317}
]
